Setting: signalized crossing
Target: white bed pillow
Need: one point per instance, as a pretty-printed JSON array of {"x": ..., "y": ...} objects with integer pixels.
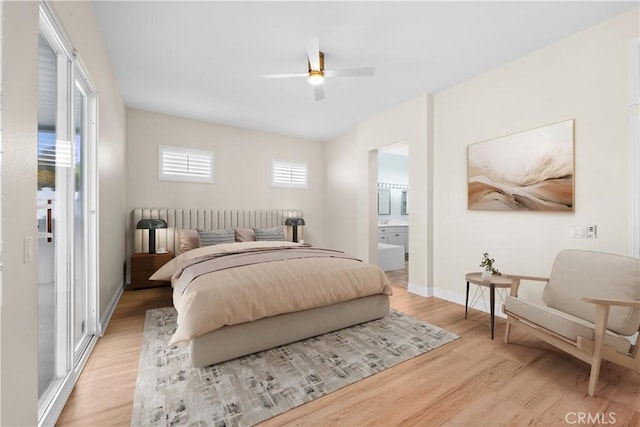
[
  {"x": 245, "y": 235},
  {"x": 188, "y": 240}
]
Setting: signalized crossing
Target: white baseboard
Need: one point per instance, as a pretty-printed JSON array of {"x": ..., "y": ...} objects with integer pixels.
[
  {"x": 458, "y": 298},
  {"x": 420, "y": 290},
  {"x": 449, "y": 296},
  {"x": 106, "y": 317},
  {"x": 479, "y": 305}
]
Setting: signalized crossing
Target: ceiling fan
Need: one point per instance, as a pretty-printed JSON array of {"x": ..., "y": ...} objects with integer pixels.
[{"x": 317, "y": 73}]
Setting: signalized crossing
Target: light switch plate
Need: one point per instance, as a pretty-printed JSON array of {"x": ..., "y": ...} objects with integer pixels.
[
  {"x": 584, "y": 232},
  {"x": 578, "y": 232}
]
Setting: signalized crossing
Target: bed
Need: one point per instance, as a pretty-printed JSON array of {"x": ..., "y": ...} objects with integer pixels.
[{"x": 235, "y": 299}]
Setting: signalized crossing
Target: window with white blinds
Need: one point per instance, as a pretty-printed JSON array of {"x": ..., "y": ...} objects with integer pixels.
[
  {"x": 184, "y": 164},
  {"x": 289, "y": 175}
]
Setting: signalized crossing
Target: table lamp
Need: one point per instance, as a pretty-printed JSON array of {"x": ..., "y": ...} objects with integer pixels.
[
  {"x": 294, "y": 222},
  {"x": 151, "y": 225}
]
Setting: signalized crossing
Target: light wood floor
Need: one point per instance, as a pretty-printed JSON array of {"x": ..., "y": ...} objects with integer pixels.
[{"x": 472, "y": 382}]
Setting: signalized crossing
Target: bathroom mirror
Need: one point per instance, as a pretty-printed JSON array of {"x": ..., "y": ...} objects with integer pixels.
[
  {"x": 384, "y": 201},
  {"x": 404, "y": 203}
]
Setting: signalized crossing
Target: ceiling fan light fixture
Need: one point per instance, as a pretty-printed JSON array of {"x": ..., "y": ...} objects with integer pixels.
[
  {"x": 316, "y": 77},
  {"x": 316, "y": 72}
]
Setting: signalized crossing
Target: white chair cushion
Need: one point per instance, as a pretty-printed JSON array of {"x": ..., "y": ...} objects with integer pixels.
[
  {"x": 578, "y": 274},
  {"x": 561, "y": 323}
]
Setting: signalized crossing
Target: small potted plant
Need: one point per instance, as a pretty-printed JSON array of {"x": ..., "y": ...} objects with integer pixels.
[{"x": 489, "y": 269}]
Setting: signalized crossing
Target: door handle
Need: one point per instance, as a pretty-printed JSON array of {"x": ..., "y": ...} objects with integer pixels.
[{"x": 49, "y": 221}]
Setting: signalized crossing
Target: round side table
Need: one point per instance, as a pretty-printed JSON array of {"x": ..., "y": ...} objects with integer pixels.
[{"x": 492, "y": 284}]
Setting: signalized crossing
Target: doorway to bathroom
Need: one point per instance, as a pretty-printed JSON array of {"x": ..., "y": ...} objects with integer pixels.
[{"x": 393, "y": 212}]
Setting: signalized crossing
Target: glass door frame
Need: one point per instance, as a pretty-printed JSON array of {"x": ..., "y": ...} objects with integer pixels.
[
  {"x": 69, "y": 360},
  {"x": 90, "y": 187}
]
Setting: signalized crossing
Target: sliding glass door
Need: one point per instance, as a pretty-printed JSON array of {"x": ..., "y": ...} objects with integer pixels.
[
  {"x": 80, "y": 291},
  {"x": 66, "y": 211},
  {"x": 53, "y": 165}
]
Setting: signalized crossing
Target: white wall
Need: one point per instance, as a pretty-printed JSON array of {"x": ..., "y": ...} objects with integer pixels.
[
  {"x": 18, "y": 369},
  {"x": 242, "y": 168},
  {"x": 341, "y": 193},
  {"x": 393, "y": 168},
  {"x": 353, "y": 157},
  {"x": 19, "y": 335},
  {"x": 1, "y": 185},
  {"x": 582, "y": 77}
]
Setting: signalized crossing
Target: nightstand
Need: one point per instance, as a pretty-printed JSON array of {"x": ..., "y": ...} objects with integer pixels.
[
  {"x": 143, "y": 265},
  {"x": 500, "y": 282}
]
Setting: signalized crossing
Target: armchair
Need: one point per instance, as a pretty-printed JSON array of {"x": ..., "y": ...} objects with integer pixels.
[{"x": 590, "y": 309}]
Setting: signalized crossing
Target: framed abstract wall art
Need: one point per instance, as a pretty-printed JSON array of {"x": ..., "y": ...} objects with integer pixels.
[{"x": 527, "y": 171}]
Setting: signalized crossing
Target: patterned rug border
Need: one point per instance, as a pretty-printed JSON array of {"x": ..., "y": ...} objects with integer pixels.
[{"x": 255, "y": 388}]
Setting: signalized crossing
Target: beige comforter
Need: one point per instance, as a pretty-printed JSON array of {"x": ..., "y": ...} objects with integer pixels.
[{"x": 250, "y": 292}]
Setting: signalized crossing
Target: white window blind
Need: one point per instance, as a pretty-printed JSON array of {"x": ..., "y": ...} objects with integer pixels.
[
  {"x": 289, "y": 175},
  {"x": 184, "y": 164}
]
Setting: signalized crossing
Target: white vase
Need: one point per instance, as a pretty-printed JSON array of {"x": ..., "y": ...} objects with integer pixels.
[{"x": 486, "y": 275}]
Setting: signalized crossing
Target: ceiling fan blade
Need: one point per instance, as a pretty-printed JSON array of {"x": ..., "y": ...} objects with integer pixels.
[
  {"x": 284, "y": 76},
  {"x": 351, "y": 72},
  {"x": 313, "y": 53},
  {"x": 318, "y": 92}
]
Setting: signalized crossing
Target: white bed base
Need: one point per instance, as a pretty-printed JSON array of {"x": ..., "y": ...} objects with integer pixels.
[
  {"x": 208, "y": 219},
  {"x": 239, "y": 340}
]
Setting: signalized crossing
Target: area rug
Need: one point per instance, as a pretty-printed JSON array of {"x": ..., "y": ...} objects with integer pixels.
[{"x": 251, "y": 389}]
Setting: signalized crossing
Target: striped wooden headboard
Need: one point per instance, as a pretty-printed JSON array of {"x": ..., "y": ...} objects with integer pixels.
[{"x": 208, "y": 219}]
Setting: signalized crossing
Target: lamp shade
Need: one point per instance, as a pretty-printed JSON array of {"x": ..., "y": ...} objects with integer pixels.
[
  {"x": 294, "y": 221},
  {"x": 151, "y": 225},
  {"x": 147, "y": 224}
]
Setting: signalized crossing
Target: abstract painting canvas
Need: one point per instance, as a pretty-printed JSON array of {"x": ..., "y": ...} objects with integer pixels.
[{"x": 531, "y": 170}]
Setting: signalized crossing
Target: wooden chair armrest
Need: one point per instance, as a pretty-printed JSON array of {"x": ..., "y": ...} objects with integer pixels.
[
  {"x": 516, "y": 282},
  {"x": 533, "y": 278},
  {"x": 609, "y": 302}
]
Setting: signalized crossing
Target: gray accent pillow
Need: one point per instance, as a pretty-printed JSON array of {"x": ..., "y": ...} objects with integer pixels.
[
  {"x": 273, "y": 234},
  {"x": 216, "y": 237}
]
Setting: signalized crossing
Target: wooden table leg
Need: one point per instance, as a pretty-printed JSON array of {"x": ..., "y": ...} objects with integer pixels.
[
  {"x": 466, "y": 302},
  {"x": 492, "y": 298}
]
